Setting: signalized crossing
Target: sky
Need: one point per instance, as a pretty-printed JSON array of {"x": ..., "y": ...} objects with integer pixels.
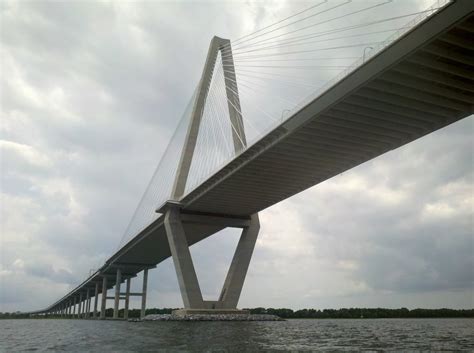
[{"x": 91, "y": 93}]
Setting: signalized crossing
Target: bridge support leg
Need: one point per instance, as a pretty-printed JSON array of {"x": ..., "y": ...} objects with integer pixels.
[
  {"x": 118, "y": 280},
  {"x": 86, "y": 306},
  {"x": 96, "y": 300},
  {"x": 187, "y": 279},
  {"x": 183, "y": 263},
  {"x": 144, "y": 289},
  {"x": 235, "y": 278},
  {"x": 74, "y": 308},
  {"x": 104, "y": 297},
  {"x": 89, "y": 306},
  {"x": 127, "y": 299},
  {"x": 79, "y": 310}
]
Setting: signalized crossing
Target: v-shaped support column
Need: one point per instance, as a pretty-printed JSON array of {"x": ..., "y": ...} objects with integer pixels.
[
  {"x": 183, "y": 263},
  {"x": 239, "y": 266}
]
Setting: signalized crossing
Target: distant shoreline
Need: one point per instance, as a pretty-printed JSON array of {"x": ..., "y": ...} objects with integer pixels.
[
  {"x": 366, "y": 313},
  {"x": 345, "y": 313}
]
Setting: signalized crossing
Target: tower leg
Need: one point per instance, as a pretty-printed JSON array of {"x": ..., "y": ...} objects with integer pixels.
[
  {"x": 183, "y": 263},
  {"x": 235, "y": 278},
  {"x": 187, "y": 279}
]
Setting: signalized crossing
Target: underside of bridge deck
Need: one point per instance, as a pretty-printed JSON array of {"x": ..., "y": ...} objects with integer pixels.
[{"x": 421, "y": 83}]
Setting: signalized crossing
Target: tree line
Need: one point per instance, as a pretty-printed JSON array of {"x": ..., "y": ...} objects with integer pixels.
[
  {"x": 345, "y": 313},
  {"x": 369, "y": 313}
]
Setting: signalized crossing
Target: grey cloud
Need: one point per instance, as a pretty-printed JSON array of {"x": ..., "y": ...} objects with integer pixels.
[
  {"x": 47, "y": 271},
  {"x": 397, "y": 245}
]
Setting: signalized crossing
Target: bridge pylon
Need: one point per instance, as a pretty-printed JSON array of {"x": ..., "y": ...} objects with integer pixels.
[
  {"x": 175, "y": 220},
  {"x": 233, "y": 103},
  {"x": 176, "y": 216}
]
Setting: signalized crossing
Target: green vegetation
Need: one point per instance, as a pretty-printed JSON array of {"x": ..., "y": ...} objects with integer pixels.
[
  {"x": 368, "y": 313},
  {"x": 351, "y": 313}
]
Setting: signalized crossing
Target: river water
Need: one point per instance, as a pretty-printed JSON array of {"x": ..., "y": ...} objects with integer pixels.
[{"x": 293, "y": 335}]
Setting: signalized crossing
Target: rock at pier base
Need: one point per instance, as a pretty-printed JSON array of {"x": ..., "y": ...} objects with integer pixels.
[
  {"x": 187, "y": 312},
  {"x": 206, "y": 315}
]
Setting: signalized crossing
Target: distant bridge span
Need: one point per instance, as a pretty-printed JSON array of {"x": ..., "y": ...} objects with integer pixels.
[{"x": 418, "y": 84}]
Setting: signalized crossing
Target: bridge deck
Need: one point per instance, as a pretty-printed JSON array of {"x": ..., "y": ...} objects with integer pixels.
[{"x": 420, "y": 83}]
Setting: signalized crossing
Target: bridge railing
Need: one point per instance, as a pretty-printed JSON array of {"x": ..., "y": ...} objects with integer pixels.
[{"x": 425, "y": 14}]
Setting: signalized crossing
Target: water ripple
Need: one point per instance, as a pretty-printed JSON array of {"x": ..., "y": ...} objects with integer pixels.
[{"x": 343, "y": 335}]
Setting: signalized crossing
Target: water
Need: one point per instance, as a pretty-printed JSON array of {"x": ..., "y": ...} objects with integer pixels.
[{"x": 291, "y": 335}]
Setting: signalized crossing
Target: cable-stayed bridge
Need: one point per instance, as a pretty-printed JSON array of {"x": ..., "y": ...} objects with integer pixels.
[{"x": 276, "y": 112}]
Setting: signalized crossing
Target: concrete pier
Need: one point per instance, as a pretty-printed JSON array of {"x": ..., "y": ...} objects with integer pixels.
[
  {"x": 86, "y": 306},
  {"x": 96, "y": 300},
  {"x": 144, "y": 289},
  {"x": 118, "y": 280},
  {"x": 183, "y": 263},
  {"x": 127, "y": 299},
  {"x": 79, "y": 310},
  {"x": 74, "y": 306},
  {"x": 104, "y": 297},
  {"x": 187, "y": 279}
]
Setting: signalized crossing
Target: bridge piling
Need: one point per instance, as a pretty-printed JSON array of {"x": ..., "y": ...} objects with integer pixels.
[
  {"x": 104, "y": 297},
  {"x": 144, "y": 289},
  {"x": 118, "y": 280},
  {"x": 127, "y": 299},
  {"x": 74, "y": 308},
  {"x": 86, "y": 311},
  {"x": 79, "y": 310},
  {"x": 96, "y": 300},
  {"x": 89, "y": 307}
]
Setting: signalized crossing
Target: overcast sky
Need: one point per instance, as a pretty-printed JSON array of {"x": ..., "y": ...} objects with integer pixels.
[{"x": 90, "y": 95}]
